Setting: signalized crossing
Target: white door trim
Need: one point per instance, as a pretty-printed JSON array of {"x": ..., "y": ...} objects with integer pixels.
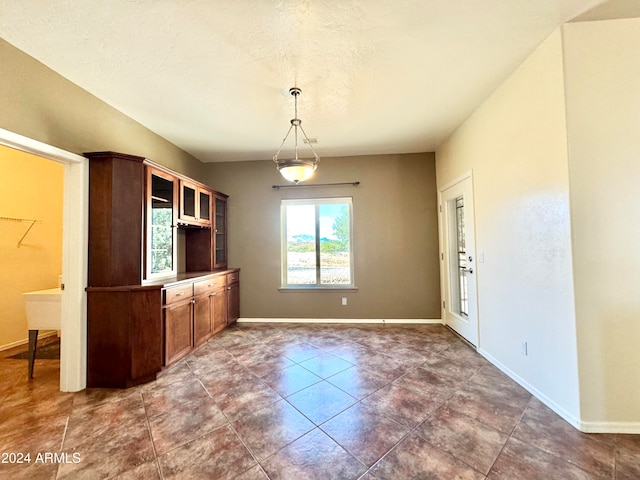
[
  {"x": 444, "y": 251},
  {"x": 75, "y": 232}
]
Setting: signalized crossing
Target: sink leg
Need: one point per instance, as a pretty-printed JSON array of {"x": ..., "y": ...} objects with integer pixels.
[{"x": 33, "y": 340}]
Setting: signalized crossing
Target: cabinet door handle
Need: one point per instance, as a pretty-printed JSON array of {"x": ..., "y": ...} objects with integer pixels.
[
  {"x": 212, "y": 294},
  {"x": 179, "y": 294},
  {"x": 193, "y": 301},
  {"x": 212, "y": 285}
]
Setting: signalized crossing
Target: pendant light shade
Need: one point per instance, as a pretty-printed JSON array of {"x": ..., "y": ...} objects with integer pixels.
[{"x": 296, "y": 169}]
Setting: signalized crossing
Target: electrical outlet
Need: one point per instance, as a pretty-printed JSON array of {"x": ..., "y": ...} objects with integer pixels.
[
  {"x": 344, "y": 300},
  {"x": 523, "y": 348}
]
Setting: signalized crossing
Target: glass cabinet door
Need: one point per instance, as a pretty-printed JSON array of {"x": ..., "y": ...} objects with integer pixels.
[
  {"x": 220, "y": 259},
  {"x": 205, "y": 207},
  {"x": 188, "y": 201},
  {"x": 160, "y": 218}
]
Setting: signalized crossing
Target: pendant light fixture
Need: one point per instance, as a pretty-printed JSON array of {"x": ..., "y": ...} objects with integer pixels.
[{"x": 296, "y": 169}]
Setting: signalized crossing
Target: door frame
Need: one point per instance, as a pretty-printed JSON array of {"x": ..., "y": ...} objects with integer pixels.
[
  {"x": 445, "y": 254},
  {"x": 75, "y": 234}
]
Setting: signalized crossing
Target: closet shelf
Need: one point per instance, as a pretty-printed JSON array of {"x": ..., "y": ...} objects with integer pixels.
[{"x": 21, "y": 220}]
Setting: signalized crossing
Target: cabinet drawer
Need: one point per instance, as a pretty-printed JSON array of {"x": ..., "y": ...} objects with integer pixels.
[
  {"x": 233, "y": 277},
  {"x": 177, "y": 294},
  {"x": 209, "y": 284}
]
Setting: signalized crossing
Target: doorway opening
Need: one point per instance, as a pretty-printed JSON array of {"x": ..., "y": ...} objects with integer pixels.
[{"x": 73, "y": 325}]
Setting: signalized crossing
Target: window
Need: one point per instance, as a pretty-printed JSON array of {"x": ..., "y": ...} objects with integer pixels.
[{"x": 317, "y": 239}]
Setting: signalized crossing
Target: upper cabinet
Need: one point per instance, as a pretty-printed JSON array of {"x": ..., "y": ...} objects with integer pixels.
[
  {"x": 136, "y": 208},
  {"x": 195, "y": 204},
  {"x": 204, "y": 206},
  {"x": 116, "y": 209},
  {"x": 220, "y": 231},
  {"x": 161, "y": 231}
]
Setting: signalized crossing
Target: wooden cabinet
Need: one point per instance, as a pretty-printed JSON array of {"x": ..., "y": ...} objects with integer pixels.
[
  {"x": 195, "y": 204},
  {"x": 147, "y": 306},
  {"x": 202, "y": 324},
  {"x": 219, "y": 309},
  {"x": 220, "y": 231},
  {"x": 178, "y": 331},
  {"x": 116, "y": 207},
  {"x": 197, "y": 309},
  {"x": 203, "y": 317},
  {"x": 178, "y": 322},
  {"x": 160, "y": 220},
  {"x": 124, "y": 335},
  {"x": 233, "y": 297}
]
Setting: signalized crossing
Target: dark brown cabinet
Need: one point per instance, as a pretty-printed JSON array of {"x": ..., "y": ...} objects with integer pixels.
[
  {"x": 219, "y": 309},
  {"x": 233, "y": 297},
  {"x": 196, "y": 309},
  {"x": 195, "y": 204},
  {"x": 124, "y": 335},
  {"x": 145, "y": 306},
  {"x": 220, "y": 231},
  {"x": 202, "y": 325},
  {"x": 178, "y": 327},
  {"x": 203, "y": 290},
  {"x": 160, "y": 221},
  {"x": 116, "y": 207}
]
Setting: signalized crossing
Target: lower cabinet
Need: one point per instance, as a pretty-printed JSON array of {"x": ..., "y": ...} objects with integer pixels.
[
  {"x": 219, "y": 309},
  {"x": 135, "y": 330},
  {"x": 202, "y": 325},
  {"x": 124, "y": 335},
  {"x": 178, "y": 327},
  {"x": 233, "y": 300},
  {"x": 194, "y": 311}
]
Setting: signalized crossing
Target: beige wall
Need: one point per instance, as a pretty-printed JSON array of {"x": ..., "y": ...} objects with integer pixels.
[
  {"x": 40, "y": 104},
  {"x": 30, "y": 187},
  {"x": 515, "y": 143},
  {"x": 395, "y": 237},
  {"x": 602, "y": 64}
]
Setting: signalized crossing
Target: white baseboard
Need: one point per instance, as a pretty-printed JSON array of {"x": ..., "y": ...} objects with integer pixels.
[
  {"x": 610, "y": 427},
  {"x": 346, "y": 321},
  {"x": 587, "y": 427},
  {"x": 26, "y": 340},
  {"x": 532, "y": 390}
]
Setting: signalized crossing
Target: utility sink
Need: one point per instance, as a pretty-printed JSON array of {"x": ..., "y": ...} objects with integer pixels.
[{"x": 44, "y": 312}]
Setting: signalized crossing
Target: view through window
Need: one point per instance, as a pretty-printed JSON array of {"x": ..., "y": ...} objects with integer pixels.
[{"x": 317, "y": 242}]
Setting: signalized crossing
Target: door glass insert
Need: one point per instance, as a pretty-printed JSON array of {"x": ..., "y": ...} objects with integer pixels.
[{"x": 462, "y": 294}]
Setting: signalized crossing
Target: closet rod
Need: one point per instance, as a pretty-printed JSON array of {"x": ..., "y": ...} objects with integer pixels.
[
  {"x": 22, "y": 220},
  {"x": 14, "y": 219}
]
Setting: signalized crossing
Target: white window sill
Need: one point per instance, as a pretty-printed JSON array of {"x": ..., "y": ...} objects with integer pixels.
[{"x": 323, "y": 288}]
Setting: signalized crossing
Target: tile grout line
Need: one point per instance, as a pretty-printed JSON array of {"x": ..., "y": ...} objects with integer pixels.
[
  {"x": 153, "y": 444},
  {"x": 414, "y": 429},
  {"x": 565, "y": 460},
  {"x": 64, "y": 437},
  {"x": 230, "y": 424}
]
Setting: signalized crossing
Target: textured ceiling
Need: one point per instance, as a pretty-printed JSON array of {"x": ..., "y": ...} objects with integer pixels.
[{"x": 212, "y": 76}]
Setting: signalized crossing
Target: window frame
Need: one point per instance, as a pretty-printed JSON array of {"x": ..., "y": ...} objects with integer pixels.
[{"x": 316, "y": 203}]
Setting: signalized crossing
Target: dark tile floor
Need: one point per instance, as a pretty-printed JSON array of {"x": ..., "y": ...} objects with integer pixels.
[{"x": 304, "y": 402}]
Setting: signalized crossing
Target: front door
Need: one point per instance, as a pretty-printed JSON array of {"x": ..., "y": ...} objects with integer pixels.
[{"x": 459, "y": 303}]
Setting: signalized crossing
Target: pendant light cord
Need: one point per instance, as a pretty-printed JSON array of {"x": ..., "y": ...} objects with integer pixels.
[{"x": 295, "y": 124}]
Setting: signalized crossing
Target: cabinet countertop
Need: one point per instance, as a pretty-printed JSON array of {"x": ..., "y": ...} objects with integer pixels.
[{"x": 178, "y": 279}]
